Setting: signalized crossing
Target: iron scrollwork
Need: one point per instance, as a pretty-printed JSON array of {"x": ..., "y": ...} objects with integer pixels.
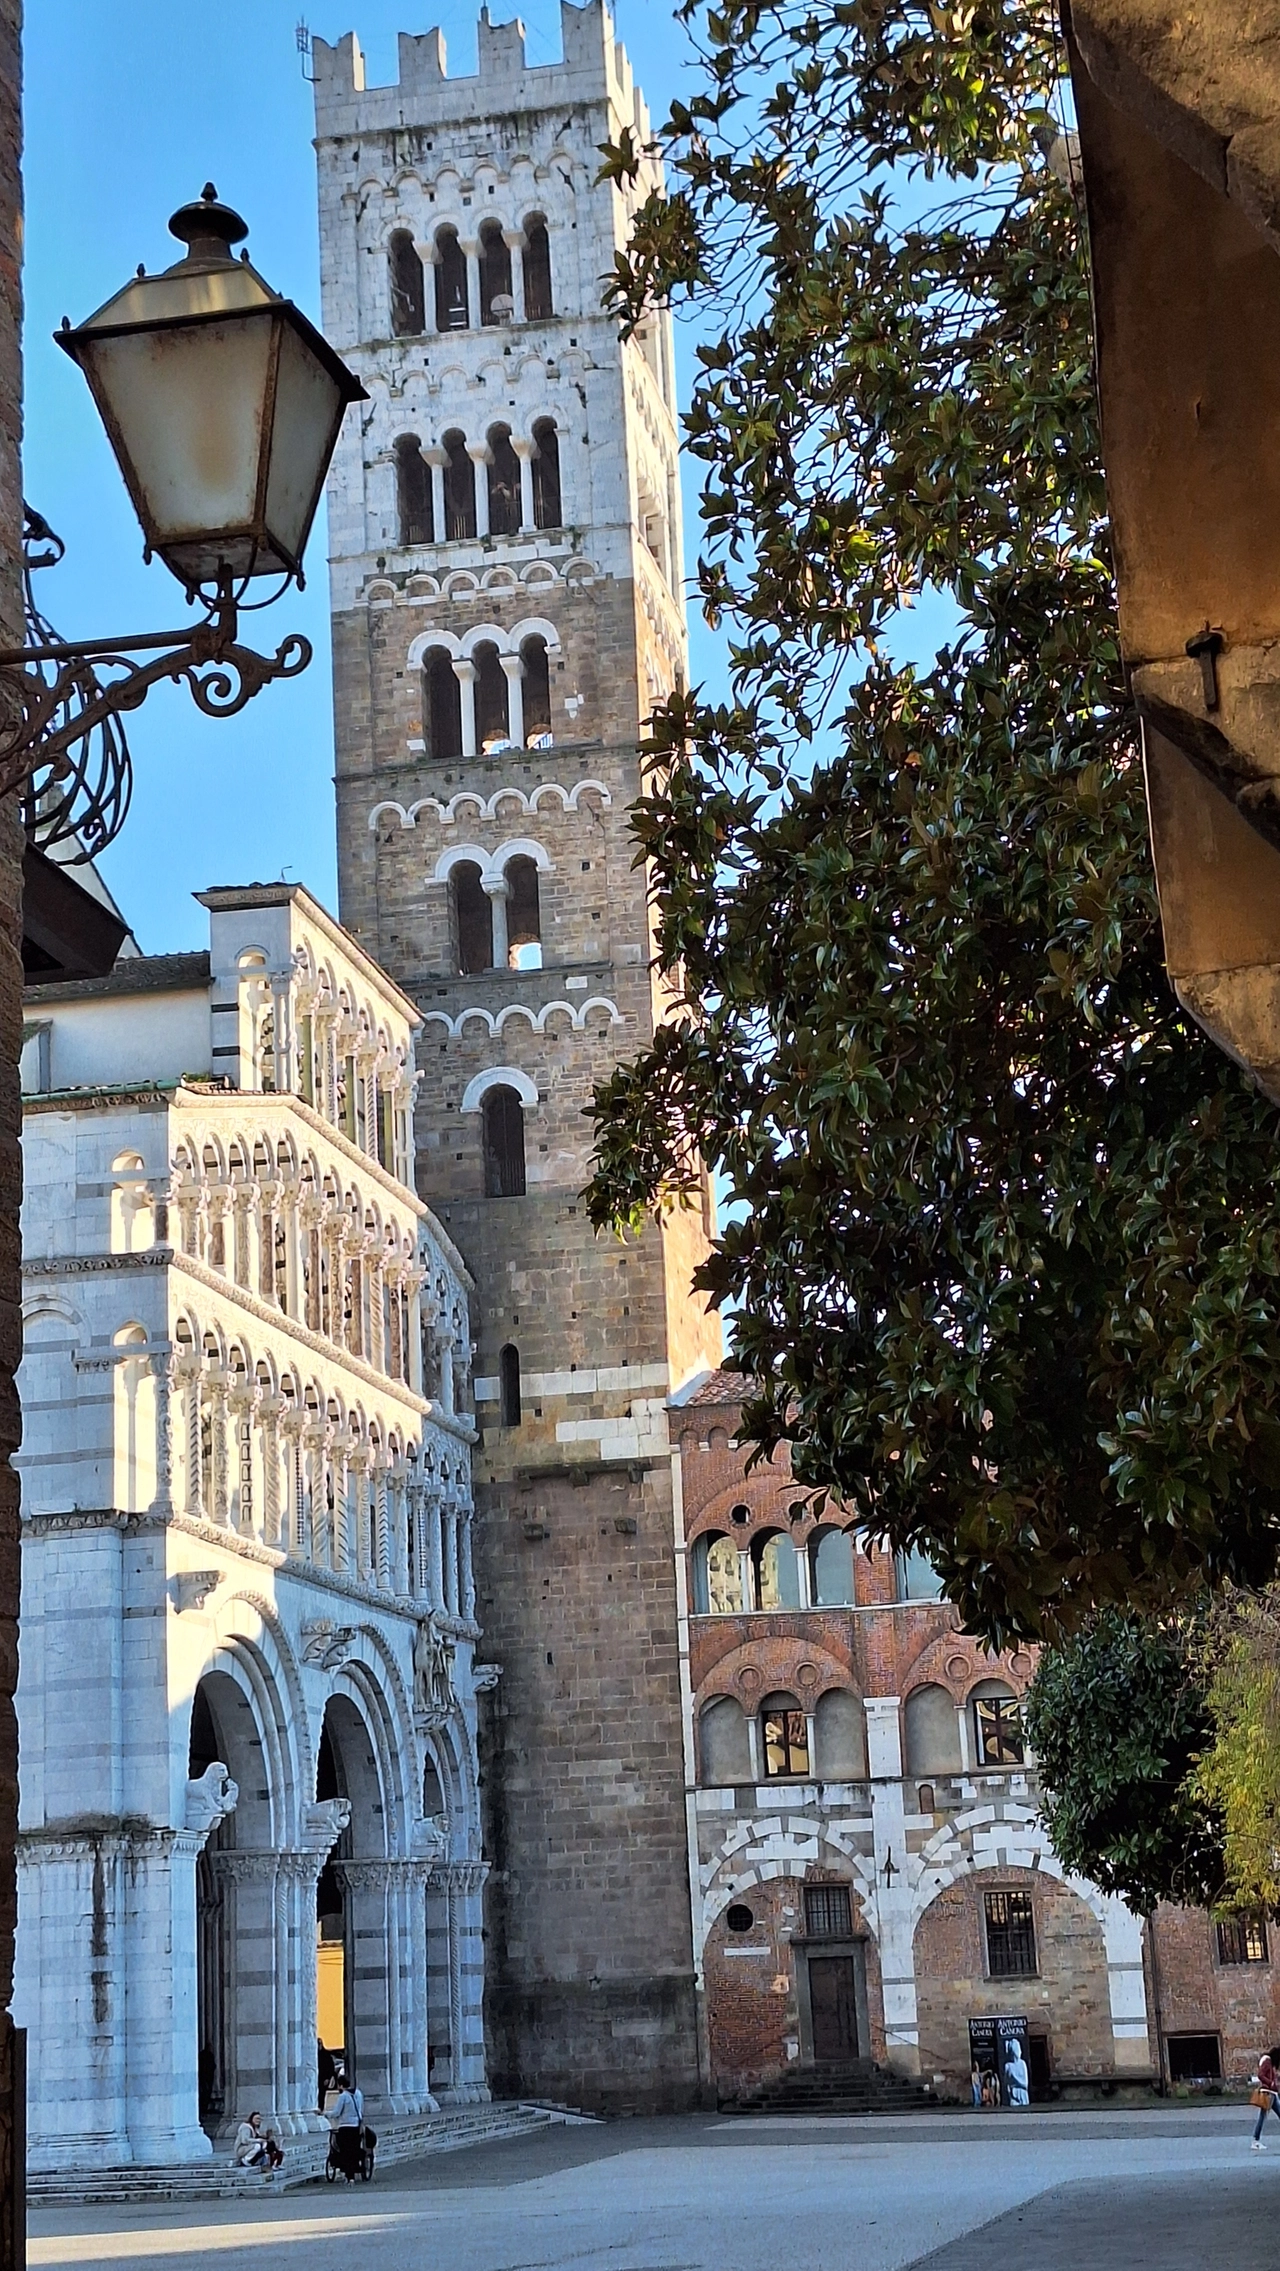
[{"x": 67, "y": 749}]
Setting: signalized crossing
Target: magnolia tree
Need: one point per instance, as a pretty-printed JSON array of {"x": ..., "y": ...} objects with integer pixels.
[{"x": 1005, "y": 1263}]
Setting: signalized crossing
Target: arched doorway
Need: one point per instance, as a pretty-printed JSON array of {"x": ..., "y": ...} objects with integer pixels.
[
  {"x": 357, "y": 1964},
  {"x": 237, "y": 1958}
]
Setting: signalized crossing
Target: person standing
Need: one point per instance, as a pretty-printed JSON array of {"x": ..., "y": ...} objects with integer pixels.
[
  {"x": 1266, "y": 2084},
  {"x": 347, "y": 2122}
]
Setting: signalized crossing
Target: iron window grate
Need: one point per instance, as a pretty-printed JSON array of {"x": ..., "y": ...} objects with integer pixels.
[
  {"x": 1011, "y": 1935},
  {"x": 827, "y": 1912}
]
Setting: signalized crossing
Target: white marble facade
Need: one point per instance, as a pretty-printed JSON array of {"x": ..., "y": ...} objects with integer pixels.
[{"x": 249, "y": 1635}]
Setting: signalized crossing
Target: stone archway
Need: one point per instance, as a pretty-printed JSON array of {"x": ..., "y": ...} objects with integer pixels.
[
  {"x": 239, "y": 1958},
  {"x": 358, "y": 1871}
]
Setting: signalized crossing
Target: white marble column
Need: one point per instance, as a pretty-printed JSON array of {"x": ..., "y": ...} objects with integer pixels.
[
  {"x": 525, "y": 450},
  {"x": 464, "y": 670},
  {"x": 481, "y": 457},
  {"x": 513, "y": 671},
  {"x": 498, "y": 892},
  {"x": 514, "y": 242}
]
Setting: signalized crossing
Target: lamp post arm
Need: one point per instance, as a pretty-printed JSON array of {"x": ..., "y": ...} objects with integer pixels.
[{"x": 221, "y": 674}]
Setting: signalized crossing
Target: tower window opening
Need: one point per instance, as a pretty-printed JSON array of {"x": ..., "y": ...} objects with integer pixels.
[
  {"x": 408, "y": 298},
  {"x": 413, "y": 492},
  {"x": 524, "y": 925},
  {"x": 503, "y": 1116},
  {"x": 509, "y": 1385},
  {"x": 441, "y": 705},
  {"x": 546, "y": 476},
  {"x": 473, "y": 919},
  {"x": 459, "y": 490},
  {"x": 504, "y": 484},
  {"x": 495, "y": 274},
  {"x": 537, "y": 271},
  {"x": 451, "y": 283},
  {"x": 537, "y": 687},
  {"x": 492, "y": 729}
]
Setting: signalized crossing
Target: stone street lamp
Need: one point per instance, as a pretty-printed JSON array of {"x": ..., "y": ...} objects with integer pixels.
[{"x": 222, "y": 404}]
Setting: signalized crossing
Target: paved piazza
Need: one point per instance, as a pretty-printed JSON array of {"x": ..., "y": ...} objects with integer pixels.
[{"x": 1054, "y": 2192}]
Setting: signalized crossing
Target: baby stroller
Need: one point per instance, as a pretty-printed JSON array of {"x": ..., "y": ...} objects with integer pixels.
[{"x": 351, "y": 2154}]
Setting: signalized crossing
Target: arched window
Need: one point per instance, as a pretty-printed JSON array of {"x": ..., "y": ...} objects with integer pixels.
[
  {"x": 717, "y": 1576},
  {"x": 504, "y": 483},
  {"x": 537, "y": 270},
  {"x": 537, "y": 689},
  {"x": 491, "y": 698},
  {"x": 441, "y": 705},
  {"x": 997, "y": 1725},
  {"x": 830, "y": 1568},
  {"x": 931, "y": 1732},
  {"x": 546, "y": 475},
  {"x": 413, "y": 492},
  {"x": 784, "y": 1732},
  {"x": 524, "y": 924},
  {"x": 459, "y": 489},
  {"x": 509, "y": 1384},
  {"x": 495, "y": 275},
  {"x": 408, "y": 299},
  {"x": 472, "y": 919},
  {"x": 503, "y": 1117},
  {"x": 775, "y": 1576},
  {"x": 917, "y": 1578},
  {"x": 840, "y": 1737},
  {"x": 724, "y": 1744},
  {"x": 451, "y": 283}
]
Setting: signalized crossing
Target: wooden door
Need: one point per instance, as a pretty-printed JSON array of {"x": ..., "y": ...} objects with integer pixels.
[{"x": 833, "y": 2009}]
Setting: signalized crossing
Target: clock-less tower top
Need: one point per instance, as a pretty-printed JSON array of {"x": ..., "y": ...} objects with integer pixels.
[{"x": 506, "y": 590}]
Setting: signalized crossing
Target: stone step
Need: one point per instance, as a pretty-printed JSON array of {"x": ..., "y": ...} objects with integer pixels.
[
  {"x": 447, "y": 2131},
  {"x": 858, "y": 2087}
]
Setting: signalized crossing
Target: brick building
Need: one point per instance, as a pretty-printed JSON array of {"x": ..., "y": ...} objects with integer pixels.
[
  {"x": 506, "y": 592},
  {"x": 870, "y": 1871}
]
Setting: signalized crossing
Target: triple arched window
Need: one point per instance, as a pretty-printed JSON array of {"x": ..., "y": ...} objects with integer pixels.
[
  {"x": 506, "y": 292},
  {"x": 477, "y": 703}
]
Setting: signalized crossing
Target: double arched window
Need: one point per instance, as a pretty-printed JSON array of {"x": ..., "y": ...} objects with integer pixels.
[{"x": 497, "y": 920}]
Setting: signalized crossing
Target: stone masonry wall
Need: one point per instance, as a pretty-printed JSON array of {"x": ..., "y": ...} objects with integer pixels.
[
  {"x": 589, "y": 1934},
  {"x": 1068, "y": 2001}
]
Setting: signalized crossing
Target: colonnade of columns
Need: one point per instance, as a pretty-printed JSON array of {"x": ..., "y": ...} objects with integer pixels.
[{"x": 260, "y": 1466}]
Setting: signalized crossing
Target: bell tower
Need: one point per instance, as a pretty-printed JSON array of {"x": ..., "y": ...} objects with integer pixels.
[{"x": 506, "y": 579}]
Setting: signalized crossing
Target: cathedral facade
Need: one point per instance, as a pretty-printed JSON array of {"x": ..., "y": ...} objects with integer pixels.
[
  {"x": 506, "y": 592},
  {"x": 248, "y": 1695}
]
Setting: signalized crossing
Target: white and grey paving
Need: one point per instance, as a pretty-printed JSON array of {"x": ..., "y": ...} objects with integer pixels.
[{"x": 1178, "y": 2190}]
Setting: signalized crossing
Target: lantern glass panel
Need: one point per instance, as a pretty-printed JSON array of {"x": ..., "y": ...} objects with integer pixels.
[
  {"x": 308, "y": 409},
  {"x": 185, "y": 406}
]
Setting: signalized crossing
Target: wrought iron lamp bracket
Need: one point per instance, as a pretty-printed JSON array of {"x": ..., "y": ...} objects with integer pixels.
[{"x": 66, "y": 699}]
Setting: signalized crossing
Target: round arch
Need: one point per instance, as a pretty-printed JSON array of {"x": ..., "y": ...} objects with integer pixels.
[{"x": 499, "y": 1076}]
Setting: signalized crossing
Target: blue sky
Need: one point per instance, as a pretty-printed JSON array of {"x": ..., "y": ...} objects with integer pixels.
[{"x": 130, "y": 108}]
